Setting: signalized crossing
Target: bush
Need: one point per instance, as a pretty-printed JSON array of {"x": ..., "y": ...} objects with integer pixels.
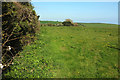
[
  {"x": 19, "y": 25},
  {"x": 75, "y": 24},
  {"x": 68, "y": 22},
  {"x": 49, "y": 24},
  {"x": 59, "y": 24}
]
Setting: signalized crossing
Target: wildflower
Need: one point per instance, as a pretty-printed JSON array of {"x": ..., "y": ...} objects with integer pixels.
[
  {"x": 9, "y": 48},
  {"x": 12, "y": 63},
  {"x": 1, "y": 66}
]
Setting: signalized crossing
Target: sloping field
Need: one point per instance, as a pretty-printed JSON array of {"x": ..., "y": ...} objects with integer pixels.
[{"x": 69, "y": 52}]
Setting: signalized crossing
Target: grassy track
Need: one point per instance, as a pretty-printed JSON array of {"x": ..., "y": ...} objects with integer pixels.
[{"x": 70, "y": 52}]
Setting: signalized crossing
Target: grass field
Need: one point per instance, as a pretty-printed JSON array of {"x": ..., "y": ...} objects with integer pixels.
[
  {"x": 70, "y": 52},
  {"x": 52, "y": 22}
]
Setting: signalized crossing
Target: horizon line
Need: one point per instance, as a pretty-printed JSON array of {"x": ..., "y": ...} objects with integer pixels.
[{"x": 83, "y": 22}]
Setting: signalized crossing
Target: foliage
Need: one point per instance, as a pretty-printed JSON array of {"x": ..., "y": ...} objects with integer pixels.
[
  {"x": 57, "y": 24},
  {"x": 52, "y": 22},
  {"x": 75, "y": 24},
  {"x": 70, "y": 52},
  {"x": 19, "y": 25},
  {"x": 68, "y": 22}
]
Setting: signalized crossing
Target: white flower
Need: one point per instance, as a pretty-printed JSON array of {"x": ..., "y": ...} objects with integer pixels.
[
  {"x": 9, "y": 48},
  {"x": 1, "y": 66}
]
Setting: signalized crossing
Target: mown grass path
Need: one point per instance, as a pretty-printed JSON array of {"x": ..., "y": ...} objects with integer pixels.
[{"x": 70, "y": 52}]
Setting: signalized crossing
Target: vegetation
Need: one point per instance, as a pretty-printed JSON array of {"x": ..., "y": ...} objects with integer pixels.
[
  {"x": 19, "y": 25},
  {"x": 69, "y": 52},
  {"x": 81, "y": 50},
  {"x": 68, "y": 22},
  {"x": 52, "y": 22}
]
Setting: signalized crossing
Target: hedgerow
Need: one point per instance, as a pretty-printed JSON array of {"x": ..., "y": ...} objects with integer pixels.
[{"x": 19, "y": 25}]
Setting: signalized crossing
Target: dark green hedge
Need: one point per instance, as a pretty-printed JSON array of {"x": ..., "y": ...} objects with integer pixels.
[{"x": 19, "y": 25}]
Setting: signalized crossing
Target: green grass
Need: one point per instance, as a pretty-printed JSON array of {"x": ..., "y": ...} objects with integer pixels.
[
  {"x": 52, "y": 22},
  {"x": 70, "y": 52}
]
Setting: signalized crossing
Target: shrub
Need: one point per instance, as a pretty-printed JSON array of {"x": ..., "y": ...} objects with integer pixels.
[
  {"x": 68, "y": 22},
  {"x": 49, "y": 24},
  {"x": 59, "y": 24},
  {"x": 75, "y": 24},
  {"x": 19, "y": 25}
]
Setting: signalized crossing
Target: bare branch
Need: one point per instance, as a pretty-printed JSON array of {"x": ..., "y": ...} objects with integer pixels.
[
  {"x": 7, "y": 39},
  {"x": 4, "y": 54},
  {"x": 11, "y": 53}
]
